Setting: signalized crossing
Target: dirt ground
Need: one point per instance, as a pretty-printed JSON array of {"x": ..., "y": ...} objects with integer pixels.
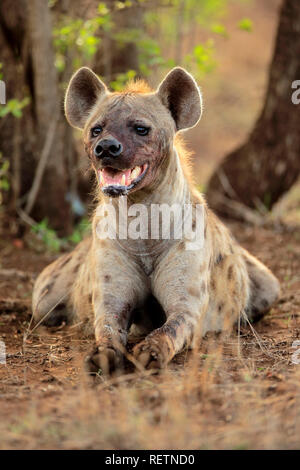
[{"x": 237, "y": 392}]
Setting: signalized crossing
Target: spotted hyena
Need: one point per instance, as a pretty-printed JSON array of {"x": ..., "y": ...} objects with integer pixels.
[{"x": 155, "y": 286}]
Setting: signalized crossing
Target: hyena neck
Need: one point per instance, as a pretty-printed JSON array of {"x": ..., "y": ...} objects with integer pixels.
[{"x": 170, "y": 186}]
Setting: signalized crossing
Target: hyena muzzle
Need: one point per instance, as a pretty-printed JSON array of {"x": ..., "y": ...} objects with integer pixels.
[{"x": 156, "y": 285}]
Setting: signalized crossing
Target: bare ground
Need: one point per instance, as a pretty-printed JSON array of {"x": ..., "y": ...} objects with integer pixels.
[{"x": 237, "y": 392}]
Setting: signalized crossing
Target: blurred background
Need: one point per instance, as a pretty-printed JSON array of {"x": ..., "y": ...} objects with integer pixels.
[{"x": 243, "y": 53}]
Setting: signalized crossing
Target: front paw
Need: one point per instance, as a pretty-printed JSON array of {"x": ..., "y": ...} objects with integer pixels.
[
  {"x": 103, "y": 361},
  {"x": 152, "y": 353}
]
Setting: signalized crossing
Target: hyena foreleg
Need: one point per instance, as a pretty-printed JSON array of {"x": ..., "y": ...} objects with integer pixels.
[
  {"x": 119, "y": 287},
  {"x": 184, "y": 298}
]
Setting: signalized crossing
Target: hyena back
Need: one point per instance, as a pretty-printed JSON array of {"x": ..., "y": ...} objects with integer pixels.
[{"x": 130, "y": 138}]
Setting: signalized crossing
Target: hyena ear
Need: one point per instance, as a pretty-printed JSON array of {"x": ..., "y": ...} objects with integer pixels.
[
  {"x": 84, "y": 90},
  {"x": 179, "y": 92}
]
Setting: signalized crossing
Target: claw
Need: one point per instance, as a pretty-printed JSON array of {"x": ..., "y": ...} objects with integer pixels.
[
  {"x": 148, "y": 356},
  {"x": 106, "y": 361}
]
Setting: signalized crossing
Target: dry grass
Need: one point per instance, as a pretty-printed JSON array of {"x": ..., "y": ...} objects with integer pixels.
[{"x": 214, "y": 400}]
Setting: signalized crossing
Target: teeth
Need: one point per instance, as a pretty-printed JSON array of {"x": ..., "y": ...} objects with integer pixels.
[
  {"x": 133, "y": 176},
  {"x": 135, "y": 172}
]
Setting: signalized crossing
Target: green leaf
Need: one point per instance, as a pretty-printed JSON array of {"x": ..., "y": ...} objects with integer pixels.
[
  {"x": 14, "y": 107},
  {"x": 220, "y": 29},
  {"x": 4, "y": 184},
  {"x": 121, "y": 80},
  {"x": 102, "y": 9},
  {"x": 246, "y": 24},
  {"x": 48, "y": 235}
]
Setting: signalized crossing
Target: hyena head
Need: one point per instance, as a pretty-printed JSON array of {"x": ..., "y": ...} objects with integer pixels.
[{"x": 129, "y": 135}]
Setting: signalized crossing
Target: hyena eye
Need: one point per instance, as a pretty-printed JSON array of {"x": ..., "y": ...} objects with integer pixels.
[
  {"x": 141, "y": 130},
  {"x": 95, "y": 131}
]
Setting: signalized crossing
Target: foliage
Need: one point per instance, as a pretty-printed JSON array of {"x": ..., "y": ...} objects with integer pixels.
[
  {"x": 121, "y": 79},
  {"x": 55, "y": 243},
  {"x": 14, "y": 107},
  {"x": 202, "y": 57},
  {"x": 80, "y": 230},
  {"x": 4, "y": 172},
  {"x": 47, "y": 235},
  {"x": 246, "y": 24},
  {"x": 76, "y": 40},
  {"x": 179, "y": 18},
  {"x": 220, "y": 29}
]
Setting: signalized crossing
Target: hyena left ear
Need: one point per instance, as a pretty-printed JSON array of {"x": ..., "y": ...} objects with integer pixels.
[
  {"x": 83, "y": 92},
  {"x": 179, "y": 92}
]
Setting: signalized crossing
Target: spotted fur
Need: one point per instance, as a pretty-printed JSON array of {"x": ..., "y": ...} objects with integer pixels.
[{"x": 157, "y": 288}]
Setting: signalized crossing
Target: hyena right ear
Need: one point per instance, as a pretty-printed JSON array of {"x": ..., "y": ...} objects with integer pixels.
[
  {"x": 180, "y": 94},
  {"x": 84, "y": 90}
]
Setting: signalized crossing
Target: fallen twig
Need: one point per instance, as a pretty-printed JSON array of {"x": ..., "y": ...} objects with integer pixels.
[
  {"x": 41, "y": 167},
  {"x": 237, "y": 209},
  {"x": 13, "y": 273}
]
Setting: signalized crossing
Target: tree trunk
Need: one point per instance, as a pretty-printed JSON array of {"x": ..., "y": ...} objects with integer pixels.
[
  {"x": 45, "y": 80},
  {"x": 267, "y": 165},
  {"x": 13, "y": 52},
  {"x": 114, "y": 58},
  {"x": 28, "y": 67}
]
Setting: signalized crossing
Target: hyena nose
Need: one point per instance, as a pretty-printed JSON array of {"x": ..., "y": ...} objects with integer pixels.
[{"x": 108, "y": 148}]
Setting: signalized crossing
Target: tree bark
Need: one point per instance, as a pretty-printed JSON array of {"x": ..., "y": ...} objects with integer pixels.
[
  {"x": 52, "y": 195},
  {"x": 28, "y": 67},
  {"x": 114, "y": 58},
  {"x": 259, "y": 172},
  {"x": 45, "y": 79},
  {"x": 16, "y": 68}
]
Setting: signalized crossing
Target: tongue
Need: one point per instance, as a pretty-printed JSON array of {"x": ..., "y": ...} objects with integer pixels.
[{"x": 110, "y": 177}]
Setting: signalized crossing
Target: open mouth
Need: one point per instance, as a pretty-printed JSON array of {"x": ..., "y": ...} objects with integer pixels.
[{"x": 119, "y": 182}]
